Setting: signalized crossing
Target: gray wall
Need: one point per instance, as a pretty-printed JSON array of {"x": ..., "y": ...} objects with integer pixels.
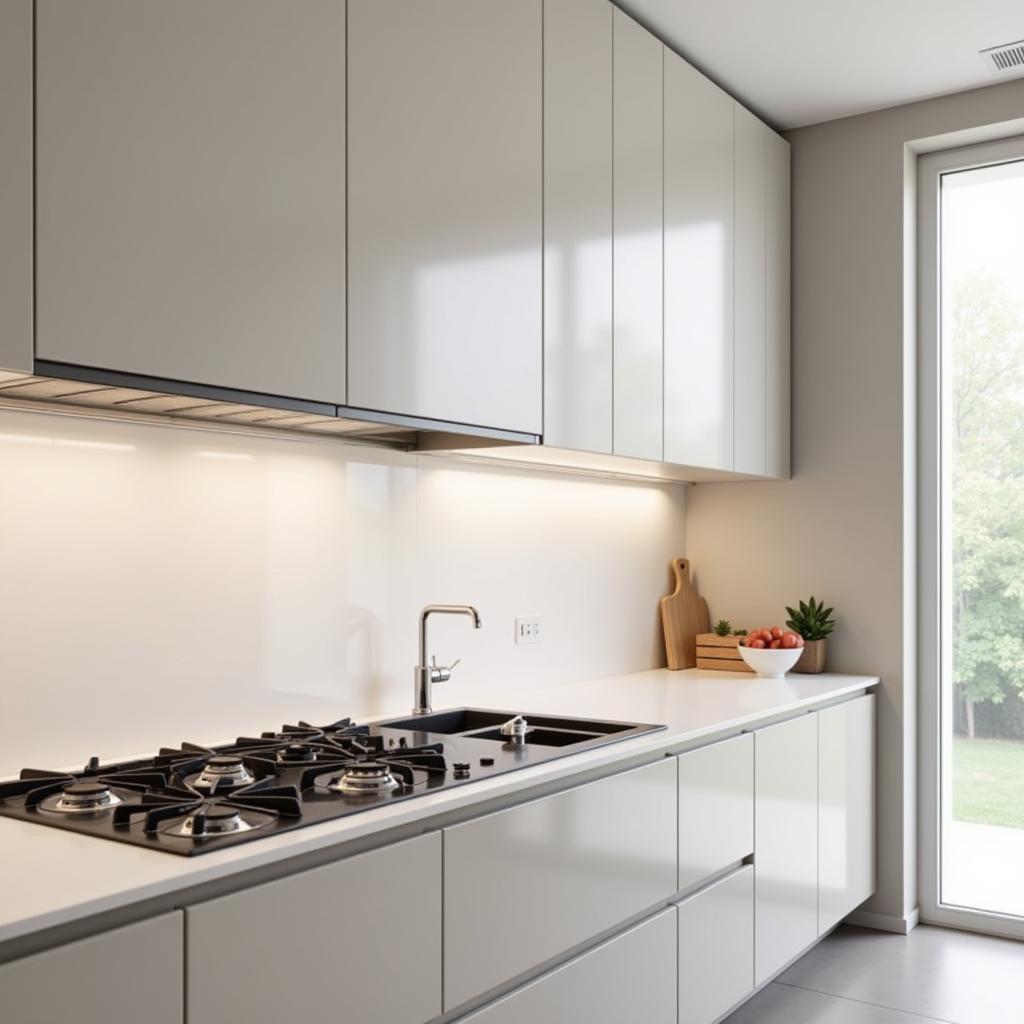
[{"x": 843, "y": 528}]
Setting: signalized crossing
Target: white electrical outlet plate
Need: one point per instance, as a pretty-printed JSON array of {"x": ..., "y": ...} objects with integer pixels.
[{"x": 528, "y": 631}]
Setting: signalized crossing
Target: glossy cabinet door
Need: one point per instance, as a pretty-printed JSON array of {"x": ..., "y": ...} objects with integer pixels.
[
  {"x": 629, "y": 978},
  {"x": 785, "y": 842},
  {"x": 359, "y": 940},
  {"x": 698, "y": 269},
  {"x": 526, "y": 884},
  {"x": 749, "y": 296},
  {"x": 445, "y": 210},
  {"x": 716, "y": 808},
  {"x": 578, "y": 224},
  {"x": 846, "y": 809},
  {"x": 716, "y": 948},
  {"x": 133, "y": 973},
  {"x": 638, "y": 211},
  {"x": 777, "y": 312},
  {"x": 190, "y": 203},
  {"x": 16, "y": 191}
]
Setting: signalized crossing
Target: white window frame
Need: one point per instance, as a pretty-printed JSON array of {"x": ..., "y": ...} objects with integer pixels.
[{"x": 934, "y": 652}]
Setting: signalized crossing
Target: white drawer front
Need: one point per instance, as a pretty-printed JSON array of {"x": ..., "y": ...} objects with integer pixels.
[
  {"x": 526, "y": 884},
  {"x": 716, "y": 808},
  {"x": 629, "y": 978},
  {"x": 355, "y": 940},
  {"x": 716, "y": 948}
]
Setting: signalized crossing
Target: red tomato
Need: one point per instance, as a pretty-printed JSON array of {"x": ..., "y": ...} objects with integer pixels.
[
  {"x": 775, "y": 645},
  {"x": 799, "y": 640},
  {"x": 757, "y": 643},
  {"x": 776, "y": 632},
  {"x": 789, "y": 641}
]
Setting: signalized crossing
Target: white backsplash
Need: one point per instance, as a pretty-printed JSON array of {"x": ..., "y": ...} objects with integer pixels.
[{"x": 159, "y": 584}]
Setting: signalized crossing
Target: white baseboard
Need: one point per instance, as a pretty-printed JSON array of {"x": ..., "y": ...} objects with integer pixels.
[{"x": 886, "y": 922}]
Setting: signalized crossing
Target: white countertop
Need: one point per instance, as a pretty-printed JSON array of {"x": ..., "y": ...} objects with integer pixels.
[{"x": 53, "y": 877}]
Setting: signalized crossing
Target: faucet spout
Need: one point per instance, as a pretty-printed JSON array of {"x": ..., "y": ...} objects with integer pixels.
[{"x": 426, "y": 675}]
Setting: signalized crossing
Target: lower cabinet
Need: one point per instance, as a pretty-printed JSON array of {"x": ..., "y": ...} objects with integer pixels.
[
  {"x": 357, "y": 940},
  {"x": 629, "y": 978},
  {"x": 785, "y": 842},
  {"x": 526, "y": 884},
  {"x": 846, "y": 809},
  {"x": 716, "y": 948},
  {"x": 131, "y": 973},
  {"x": 716, "y": 808}
]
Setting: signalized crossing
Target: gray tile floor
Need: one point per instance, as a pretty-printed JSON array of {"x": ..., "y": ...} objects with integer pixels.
[{"x": 932, "y": 976}]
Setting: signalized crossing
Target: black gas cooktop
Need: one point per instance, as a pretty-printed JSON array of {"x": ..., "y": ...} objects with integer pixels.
[{"x": 192, "y": 799}]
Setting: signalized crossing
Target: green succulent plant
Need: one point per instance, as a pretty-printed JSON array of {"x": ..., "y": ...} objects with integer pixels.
[
  {"x": 812, "y": 620},
  {"x": 739, "y": 632},
  {"x": 723, "y": 627}
]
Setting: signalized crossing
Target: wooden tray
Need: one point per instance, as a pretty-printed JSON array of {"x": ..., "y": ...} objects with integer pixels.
[{"x": 720, "y": 653}]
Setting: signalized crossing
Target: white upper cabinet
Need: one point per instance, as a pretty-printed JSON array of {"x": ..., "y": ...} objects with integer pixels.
[
  {"x": 777, "y": 327},
  {"x": 578, "y": 224},
  {"x": 637, "y": 285},
  {"x": 698, "y": 269},
  {"x": 749, "y": 297},
  {"x": 16, "y": 193},
  {"x": 190, "y": 203},
  {"x": 445, "y": 209}
]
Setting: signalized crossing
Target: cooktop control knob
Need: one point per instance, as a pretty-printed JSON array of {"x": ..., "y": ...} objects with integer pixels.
[
  {"x": 461, "y": 769},
  {"x": 486, "y": 762}
]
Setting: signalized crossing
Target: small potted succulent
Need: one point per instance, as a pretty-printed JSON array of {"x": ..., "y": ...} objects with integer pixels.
[{"x": 813, "y": 621}]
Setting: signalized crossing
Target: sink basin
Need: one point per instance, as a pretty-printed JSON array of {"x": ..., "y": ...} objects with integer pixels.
[
  {"x": 450, "y": 723},
  {"x": 478, "y": 724}
]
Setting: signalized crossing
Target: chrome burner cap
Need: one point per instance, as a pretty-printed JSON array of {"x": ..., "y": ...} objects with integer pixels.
[
  {"x": 223, "y": 771},
  {"x": 86, "y": 798},
  {"x": 213, "y": 821},
  {"x": 364, "y": 777}
]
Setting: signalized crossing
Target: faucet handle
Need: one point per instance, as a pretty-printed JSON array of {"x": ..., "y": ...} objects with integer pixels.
[{"x": 441, "y": 673}]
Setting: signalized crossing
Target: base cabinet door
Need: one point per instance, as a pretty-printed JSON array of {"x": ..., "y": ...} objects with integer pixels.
[
  {"x": 526, "y": 884},
  {"x": 716, "y": 948},
  {"x": 846, "y": 809},
  {"x": 785, "y": 842},
  {"x": 358, "y": 940},
  {"x": 130, "y": 974},
  {"x": 716, "y": 808},
  {"x": 629, "y": 978}
]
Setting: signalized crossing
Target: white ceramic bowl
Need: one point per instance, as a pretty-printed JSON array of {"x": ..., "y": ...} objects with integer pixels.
[{"x": 770, "y": 664}]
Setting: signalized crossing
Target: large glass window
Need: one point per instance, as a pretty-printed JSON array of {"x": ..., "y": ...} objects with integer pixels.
[{"x": 981, "y": 326}]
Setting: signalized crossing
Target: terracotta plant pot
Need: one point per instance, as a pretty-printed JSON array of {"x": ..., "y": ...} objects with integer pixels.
[{"x": 813, "y": 658}]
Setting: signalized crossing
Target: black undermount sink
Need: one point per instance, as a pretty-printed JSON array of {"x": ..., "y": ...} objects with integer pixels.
[{"x": 542, "y": 730}]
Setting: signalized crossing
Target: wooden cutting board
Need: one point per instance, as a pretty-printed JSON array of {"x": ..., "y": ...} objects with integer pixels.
[{"x": 684, "y": 614}]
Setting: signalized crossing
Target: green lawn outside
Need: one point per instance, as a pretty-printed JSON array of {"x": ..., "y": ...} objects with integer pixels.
[{"x": 988, "y": 782}]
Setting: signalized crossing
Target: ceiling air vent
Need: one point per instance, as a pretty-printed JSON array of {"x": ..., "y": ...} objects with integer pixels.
[{"x": 1007, "y": 59}]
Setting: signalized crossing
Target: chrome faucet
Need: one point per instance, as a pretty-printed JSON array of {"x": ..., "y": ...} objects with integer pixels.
[{"x": 426, "y": 675}]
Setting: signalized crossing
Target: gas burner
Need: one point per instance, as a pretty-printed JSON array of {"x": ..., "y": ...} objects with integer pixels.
[
  {"x": 217, "y": 820},
  {"x": 82, "y": 798},
  {"x": 364, "y": 778},
  {"x": 225, "y": 771},
  {"x": 297, "y": 753}
]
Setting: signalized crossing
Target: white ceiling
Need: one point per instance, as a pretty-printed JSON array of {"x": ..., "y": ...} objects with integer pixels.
[{"x": 798, "y": 62}]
